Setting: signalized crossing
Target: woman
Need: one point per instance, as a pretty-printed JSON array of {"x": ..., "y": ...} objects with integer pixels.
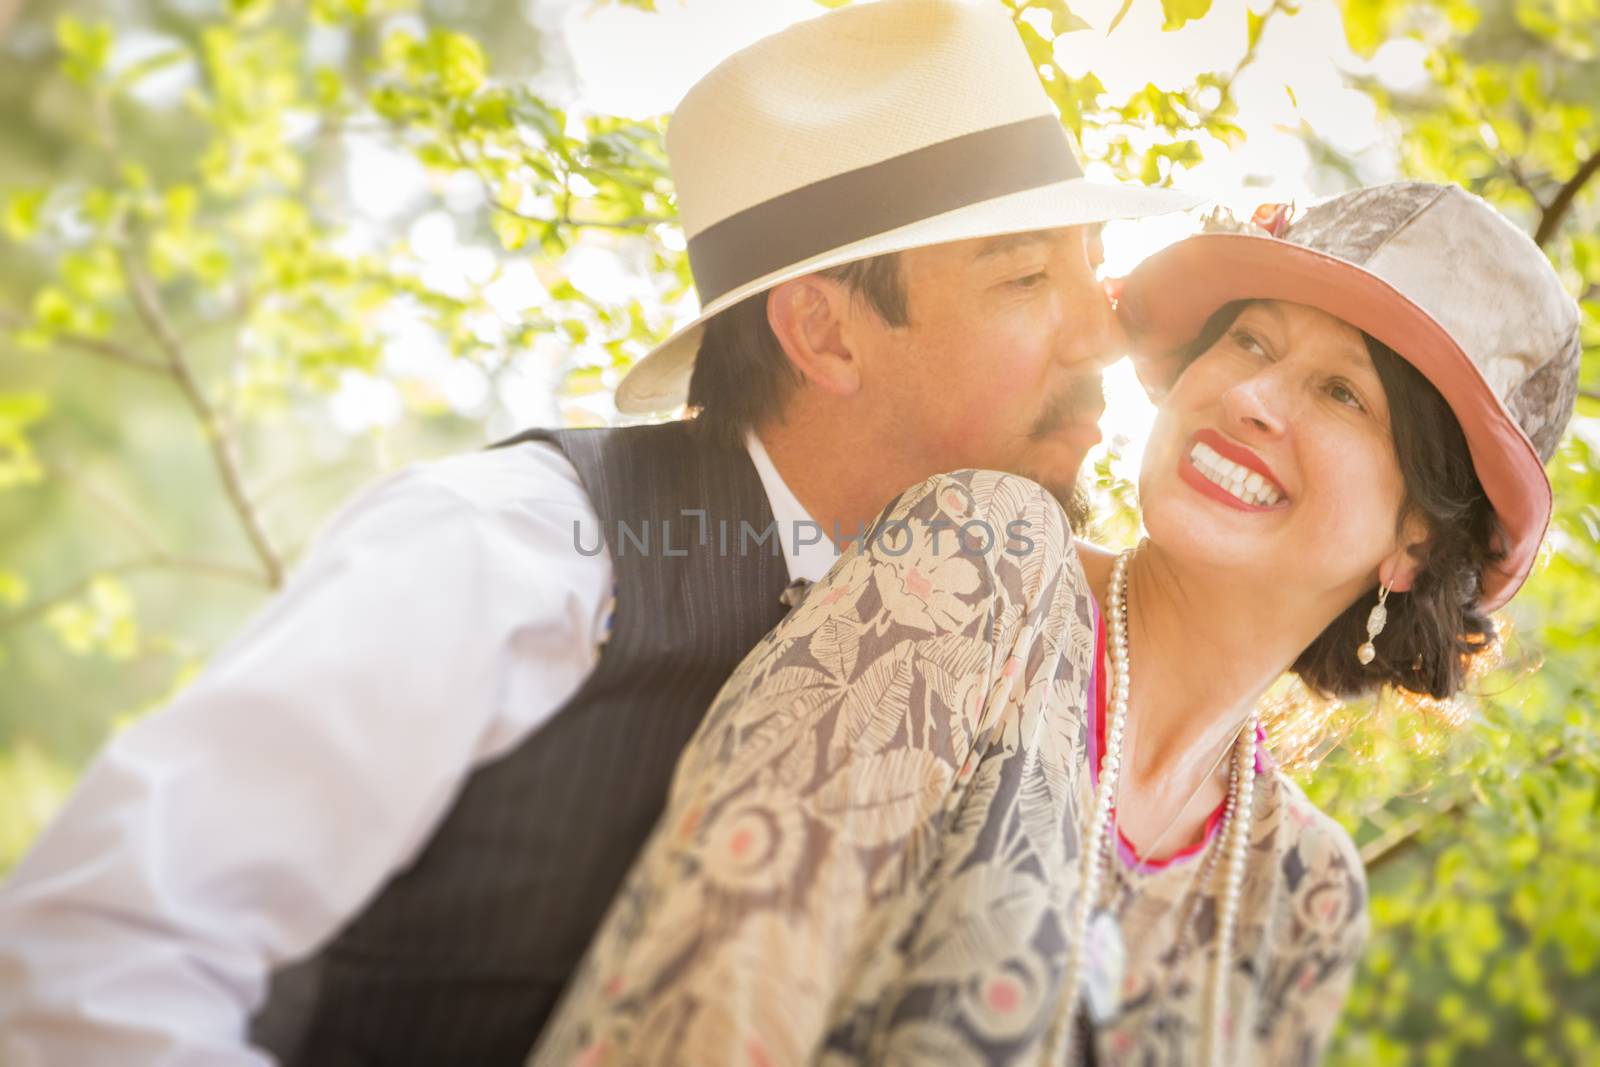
[{"x": 950, "y": 811}]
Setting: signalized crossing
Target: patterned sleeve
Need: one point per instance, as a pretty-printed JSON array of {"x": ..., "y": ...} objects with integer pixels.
[
  {"x": 812, "y": 803},
  {"x": 1326, "y": 932}
]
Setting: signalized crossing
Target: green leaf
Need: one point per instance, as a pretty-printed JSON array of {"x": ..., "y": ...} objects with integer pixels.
[
  {"x": 457, "y": 61},
  {"x": 92, "y": 274},
  {"x": 1366, "y": 24},
  {"x": 54, "y": 310},
  {"x": 336, "y": 12},
  {"x": 514, "y": 233},
  {"x": 583, "y": 381},
  {"x": 327, "y": 87},
  {"x": 1122, "y": 13},
  {"x": 397, "y": 49},
  {"x": 1180, "y": 12},
  {"x": 85, "y": 47},
  {"x": 1062, "y": 18},
  {"x": 135, "y": 174},
  {"x": 1253, "y": 27},
  {"x": 18, "y": 466},
  {"x": 20, "y": 217},
  {"x": 99, "y": 621},
  {"x": 102, "y": 206},
  {"x": 250, "y": 11},
  {"x": 552, "y": 242},
  {"x": 1040, "y": 50}
]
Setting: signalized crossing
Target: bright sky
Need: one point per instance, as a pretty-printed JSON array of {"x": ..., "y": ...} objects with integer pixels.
[{"x": 617, "y": 59}]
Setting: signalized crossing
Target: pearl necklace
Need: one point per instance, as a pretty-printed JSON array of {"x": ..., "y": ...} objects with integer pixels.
[{"x": 1100, "y": 833}]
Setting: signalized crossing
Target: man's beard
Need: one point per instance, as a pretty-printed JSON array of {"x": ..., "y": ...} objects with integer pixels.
[
  {"x": 1081, "y": 400},
  {"x": 1073, "y": 498}
]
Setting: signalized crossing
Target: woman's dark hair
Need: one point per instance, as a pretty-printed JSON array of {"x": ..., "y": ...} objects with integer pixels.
[
  {"x": 1435, "y": 626},
  {"x": 742, "y": 376}
]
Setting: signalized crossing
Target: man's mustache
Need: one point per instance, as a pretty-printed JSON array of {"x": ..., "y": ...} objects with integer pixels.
[{"x": 1081, "y": 400}]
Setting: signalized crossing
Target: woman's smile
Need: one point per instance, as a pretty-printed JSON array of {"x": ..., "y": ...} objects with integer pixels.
[{"x": 1230, "y": 474}]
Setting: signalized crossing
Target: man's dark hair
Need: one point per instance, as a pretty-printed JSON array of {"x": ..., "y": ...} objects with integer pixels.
[
  {"x": 1435, "y": 626},
  {"x": 742, "y": 376}
]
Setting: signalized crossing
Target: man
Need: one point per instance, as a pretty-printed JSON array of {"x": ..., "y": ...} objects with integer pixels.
[{"x": 406, "y": 792}]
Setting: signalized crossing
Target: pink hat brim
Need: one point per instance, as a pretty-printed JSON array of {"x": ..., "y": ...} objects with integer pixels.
[{"x": 1167, "y": 299}]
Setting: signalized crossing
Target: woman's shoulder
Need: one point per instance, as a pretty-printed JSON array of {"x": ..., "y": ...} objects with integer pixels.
[
  {"x": 1309, "y": 828},
  {"x": 1319, "y": 863}
]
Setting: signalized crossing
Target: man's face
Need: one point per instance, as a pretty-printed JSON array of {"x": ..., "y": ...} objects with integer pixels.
[{"x": 999, "y": 365}]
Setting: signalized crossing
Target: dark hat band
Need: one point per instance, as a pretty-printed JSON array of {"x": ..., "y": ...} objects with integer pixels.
[{"x": 877, "y": 198}]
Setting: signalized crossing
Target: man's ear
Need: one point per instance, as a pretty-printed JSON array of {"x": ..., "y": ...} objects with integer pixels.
[
  {"x": 1400, "y": 570},
  {"x": 809, "y": 317}
]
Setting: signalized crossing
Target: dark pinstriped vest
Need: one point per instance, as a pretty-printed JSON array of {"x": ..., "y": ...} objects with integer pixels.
[{"x": 462, "y": 955}]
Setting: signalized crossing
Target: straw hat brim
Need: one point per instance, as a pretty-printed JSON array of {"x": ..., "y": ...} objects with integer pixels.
[
  {"x": 1167, "y": 299},
  {"x": 660, "y": 380}
]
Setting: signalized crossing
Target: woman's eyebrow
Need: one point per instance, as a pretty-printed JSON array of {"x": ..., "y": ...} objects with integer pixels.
[{"x": 1356, "y": 356}]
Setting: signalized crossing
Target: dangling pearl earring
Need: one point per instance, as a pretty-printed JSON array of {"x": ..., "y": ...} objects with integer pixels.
[{"x": 1375, "y": 621}]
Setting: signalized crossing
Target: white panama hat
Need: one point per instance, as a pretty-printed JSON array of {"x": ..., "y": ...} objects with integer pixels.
[{"x": 871, "y": 129}]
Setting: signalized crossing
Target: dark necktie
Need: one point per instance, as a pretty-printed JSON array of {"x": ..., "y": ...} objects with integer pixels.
[{"x": 794, "y": 592}]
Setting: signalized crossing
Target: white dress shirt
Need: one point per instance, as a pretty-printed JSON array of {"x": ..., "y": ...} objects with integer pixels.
[{"x": 442, "y": 616}]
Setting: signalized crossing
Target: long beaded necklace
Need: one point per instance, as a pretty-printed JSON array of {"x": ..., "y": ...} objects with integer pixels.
[{"x": 1098, "y": 927}]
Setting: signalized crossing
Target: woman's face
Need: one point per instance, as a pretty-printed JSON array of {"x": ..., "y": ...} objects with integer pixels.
[{"x": 1272, "y": 456}]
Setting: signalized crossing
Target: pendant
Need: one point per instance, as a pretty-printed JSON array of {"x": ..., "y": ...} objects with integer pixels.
[{"x": 1105, "y": 959}]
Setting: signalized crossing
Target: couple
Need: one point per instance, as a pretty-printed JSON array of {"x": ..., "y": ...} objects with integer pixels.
[{"x": 981, "y": 793}]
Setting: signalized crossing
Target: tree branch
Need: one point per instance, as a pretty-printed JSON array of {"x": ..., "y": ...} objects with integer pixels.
[
  {"x": 1405, "y": 837},
  {"x": 94, "y": 346},
  {"x": 1402, "y": 837},
  {"x": 68, "y": 474},
  {"x": 147, "y": 303},
  {"x": 567, "y": 220},
  {"x": 564, "y": 219},
  {"x": 1514, "y": 166},
  {"x": 1511, "y": 164},
  {"x": 1556, "y": 213},
  {"x": 147, "y": 562}
]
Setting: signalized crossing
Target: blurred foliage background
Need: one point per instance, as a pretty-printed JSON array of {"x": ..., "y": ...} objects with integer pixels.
[{"x": 200, "y": 314}]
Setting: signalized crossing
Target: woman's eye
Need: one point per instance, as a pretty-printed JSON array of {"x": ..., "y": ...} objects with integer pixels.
[
  {"x": 1249, "y": 342},
  {"x": 1343, "y": 394}
]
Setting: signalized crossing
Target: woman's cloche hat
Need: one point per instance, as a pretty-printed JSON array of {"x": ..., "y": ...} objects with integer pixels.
[
  {"x": 871, "y": 129},
  {"x": 1436, "y": 274}
]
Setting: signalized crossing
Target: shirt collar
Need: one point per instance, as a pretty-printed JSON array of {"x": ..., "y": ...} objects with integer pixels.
[{"x": 809, "y": 559}]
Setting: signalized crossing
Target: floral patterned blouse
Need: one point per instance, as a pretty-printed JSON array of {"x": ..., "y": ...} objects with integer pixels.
[{"x": 870, "y": 851}]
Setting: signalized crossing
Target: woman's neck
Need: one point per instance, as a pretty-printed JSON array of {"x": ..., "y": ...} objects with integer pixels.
[{"x": 1203, "y": 646}]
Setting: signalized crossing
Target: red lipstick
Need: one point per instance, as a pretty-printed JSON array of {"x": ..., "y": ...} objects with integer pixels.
[
  {"x": 1239, "y": 454},
  {"x": 1191, "y": 476}
]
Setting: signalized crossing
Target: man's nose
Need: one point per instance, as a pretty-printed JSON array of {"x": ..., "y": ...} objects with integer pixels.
[{"x": 1093, "y": 338}]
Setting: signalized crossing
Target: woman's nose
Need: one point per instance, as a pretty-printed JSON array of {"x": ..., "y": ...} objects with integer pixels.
[{"x": 1254, "y": 406}]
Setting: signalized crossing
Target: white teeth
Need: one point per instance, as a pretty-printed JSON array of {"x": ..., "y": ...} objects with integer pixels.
[{"x": 1248, "y": 485}]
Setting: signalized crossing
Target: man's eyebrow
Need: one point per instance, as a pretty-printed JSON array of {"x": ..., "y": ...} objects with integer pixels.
[{"x": 996, "y": 246}]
